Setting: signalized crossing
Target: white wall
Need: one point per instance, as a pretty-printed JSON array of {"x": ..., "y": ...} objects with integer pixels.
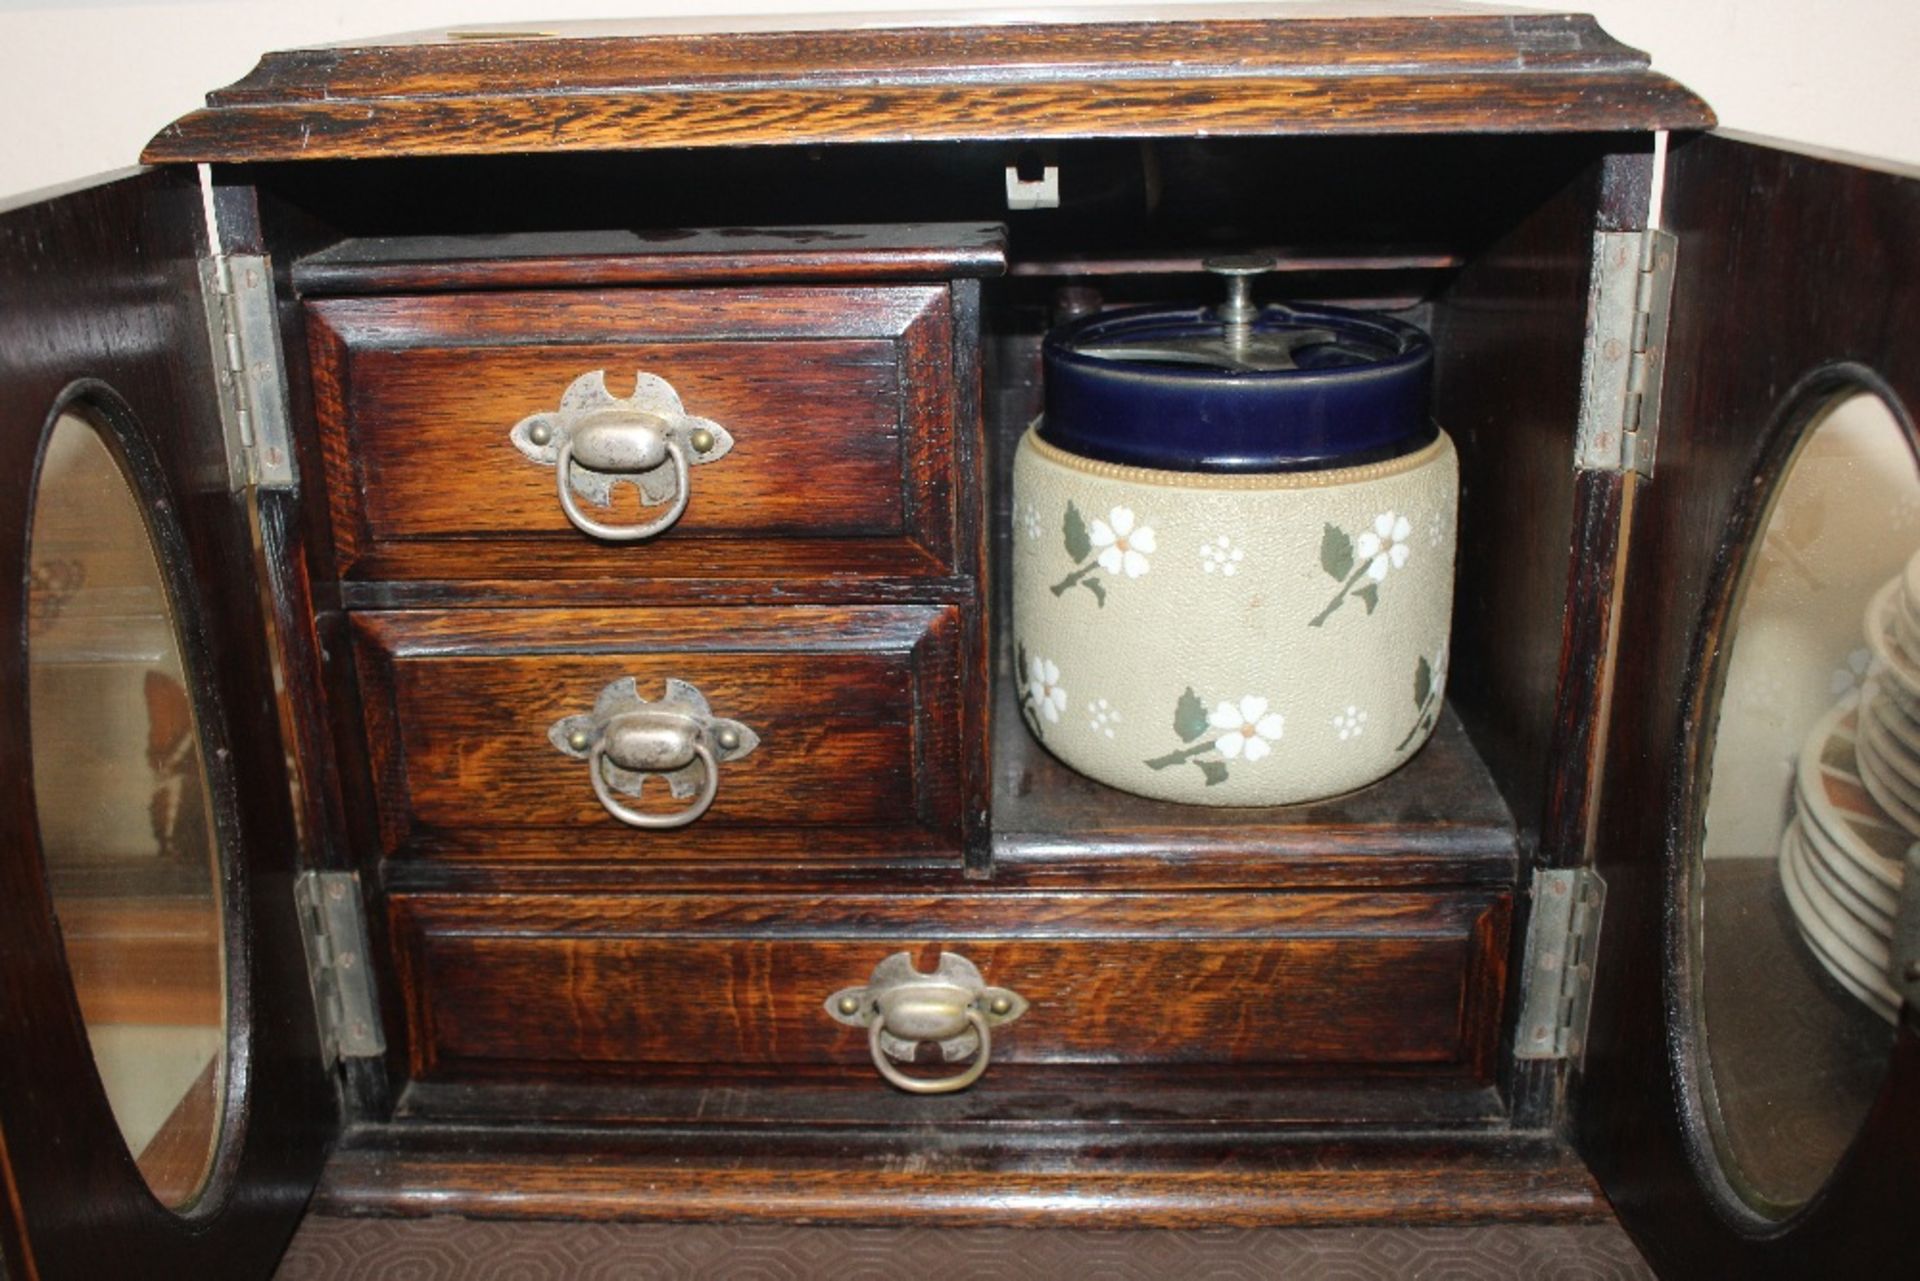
[{"x": 87, "y": 82}]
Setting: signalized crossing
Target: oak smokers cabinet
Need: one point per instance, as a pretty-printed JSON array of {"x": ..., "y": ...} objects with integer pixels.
[{"x": 436, "y": 289}]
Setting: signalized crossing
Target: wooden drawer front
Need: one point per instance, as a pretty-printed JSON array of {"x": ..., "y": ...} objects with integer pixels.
[
  {"x": 840, "y": 402},
  {"x": 857, "y": 710},
  {"x": 563, "y": 985}
]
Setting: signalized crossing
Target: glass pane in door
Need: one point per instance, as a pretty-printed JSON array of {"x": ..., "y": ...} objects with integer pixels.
[
  {"x": 1814, "y": 797},
  {"x": 126, "y": 820}
]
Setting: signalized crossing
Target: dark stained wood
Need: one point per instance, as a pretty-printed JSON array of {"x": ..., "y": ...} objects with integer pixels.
[
  {"x": 1139, "y": 42},
  {"x": 1098, "y": 1176},
  {"x": 839, "y": 402},
  {"x": 1796, "y": 286},
  {"x": 1025, "y": 1102},
  {"x": 1508, "y": 336},
  {"x": 1438, "y": 820},
  {"x": 857, "y": 710},
  {"x": 1411, "y": 69},
  {"x": 102, "y": 305},
  {"x": 801, "y": 571},
  {"x": 563, "y": 986},
  {"x": 725, "y": 255},
  {"x": 1539, "y": 544},
  {"x": 974, "y": 707},
  {"x": 629, "y": 120}
]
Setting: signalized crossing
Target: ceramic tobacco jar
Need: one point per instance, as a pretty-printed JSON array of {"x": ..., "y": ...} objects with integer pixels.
[{"x": 1233, "y": 550}]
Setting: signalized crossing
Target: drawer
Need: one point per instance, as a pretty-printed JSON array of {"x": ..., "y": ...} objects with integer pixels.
[
  {"x": 577, "y": 986},
  {"x": 858, "y": 712},
  {"x": 845, "y": 461}
]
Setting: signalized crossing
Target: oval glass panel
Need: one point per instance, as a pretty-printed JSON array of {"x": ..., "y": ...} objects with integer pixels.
[
  {"x": 126, "y": 820},
  {"x": 1813, "y": 797}
]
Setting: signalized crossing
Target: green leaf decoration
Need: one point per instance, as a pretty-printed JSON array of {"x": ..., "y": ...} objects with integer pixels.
[
  {"x": 1370, "y": 594},
  {"x": 1189, "y": 716},
  {"x": 1098, "y": 589},
  {"x": 1079, "y": 544},
  {"x": 1215, "y": 771},
  {"x": 1422, "y": 684},
  {"x": 1336, "y": 552}
]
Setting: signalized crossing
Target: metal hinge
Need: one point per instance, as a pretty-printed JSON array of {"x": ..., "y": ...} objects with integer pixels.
[
  {"x": 337, "y": 964},
  {"x": 1620, "y": 375},
  {"x": 238, "y": 291},
  {"x": 1556, "y": 988}
]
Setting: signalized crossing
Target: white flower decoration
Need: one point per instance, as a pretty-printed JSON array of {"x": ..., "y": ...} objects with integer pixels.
[
  {"x": 1123, "y": 545},
  {"x": 1248, "y": 729},
  {"x": 1221, "y": 555},
  {"x": 1030, "y": 520},
  {"x": 1043, "y": 686},
  {"x": 1102, "y": 717},
  {"x": 1350, "y": 723},
  {"x": 1384, "y": 545}
]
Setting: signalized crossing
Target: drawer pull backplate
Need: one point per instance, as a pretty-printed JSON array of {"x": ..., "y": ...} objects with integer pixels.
[
  {"x": 625, "y": 739},
  {"x": 596, "y": 442},
  {"x": 953, "y": 1007}
]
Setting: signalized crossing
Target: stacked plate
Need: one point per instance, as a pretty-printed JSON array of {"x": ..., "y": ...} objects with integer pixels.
[{"x": 1857, "y": 807}]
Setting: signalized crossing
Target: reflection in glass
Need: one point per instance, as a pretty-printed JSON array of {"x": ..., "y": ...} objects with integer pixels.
[
  {"x": 125, "y": 818},
  {"x": 1796, "y": 856}
]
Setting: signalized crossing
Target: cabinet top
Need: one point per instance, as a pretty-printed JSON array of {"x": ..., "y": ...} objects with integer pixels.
[{"x": 1355, "y": 67}]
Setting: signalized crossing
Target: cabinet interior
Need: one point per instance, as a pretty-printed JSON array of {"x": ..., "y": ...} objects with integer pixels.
[{"x": 1483, "y": 240}]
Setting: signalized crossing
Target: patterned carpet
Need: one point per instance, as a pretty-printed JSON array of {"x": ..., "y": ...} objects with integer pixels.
[{"x": 437, "y": 1249}]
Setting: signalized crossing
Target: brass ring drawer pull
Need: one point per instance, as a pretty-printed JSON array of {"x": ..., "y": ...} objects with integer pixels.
[
  {"x": 625, "y": 740},
  {"x": 953, "y": 1007},
  {"x": 596, "y": 442}
]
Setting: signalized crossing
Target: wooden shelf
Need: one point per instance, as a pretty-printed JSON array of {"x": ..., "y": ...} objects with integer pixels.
[
  {"x": 679, "y": 258},
  {"x": 1438, "y": 820},
  {"x": 1217, "y": 1176}
]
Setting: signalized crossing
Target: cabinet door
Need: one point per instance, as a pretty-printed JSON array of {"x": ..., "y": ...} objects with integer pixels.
[
  {"x": 163, "y": 1105},
  {"x": 1750, "y": 1094}
]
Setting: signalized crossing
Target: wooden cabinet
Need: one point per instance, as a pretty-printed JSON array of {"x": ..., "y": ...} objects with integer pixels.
[{"x": 824, "y": 242}]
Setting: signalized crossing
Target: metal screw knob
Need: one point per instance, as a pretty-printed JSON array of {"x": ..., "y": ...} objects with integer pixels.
[
  {"x": 728, "y": 739},
  {"x": 849, "y": 1005},
  {"x": 540, "y": 434},
  {"x": 579, "y": 740},
  {"x": 1238, "y": 270},
  {"x": 999, "y": 1005},
  {"x": 701, "y": 439}
]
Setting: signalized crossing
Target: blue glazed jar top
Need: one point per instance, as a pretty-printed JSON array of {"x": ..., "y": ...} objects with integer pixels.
[{"x": 1294, "y": 389}]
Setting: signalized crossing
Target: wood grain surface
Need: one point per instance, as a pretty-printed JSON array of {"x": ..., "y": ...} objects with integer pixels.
[
  {"x": 677, "y": 257},
  {"x": 582, "y": 984},
  {"x": 1026, "y": 1100},
  {"x": 840, "y": 402},
  {"x": 856, "y": 709},
  {"x": 1332, "y": 69},
  {"x": 1220, "y": 1176}
]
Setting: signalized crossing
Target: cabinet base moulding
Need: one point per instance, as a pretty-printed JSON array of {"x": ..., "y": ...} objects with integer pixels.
[{"x": 1089, "y": 1179}]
